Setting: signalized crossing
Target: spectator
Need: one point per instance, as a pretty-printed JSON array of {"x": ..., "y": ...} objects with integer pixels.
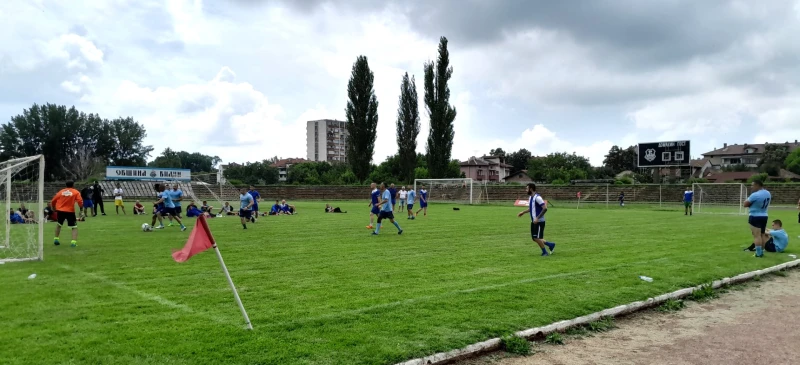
[
  {"x": 138, "y": 208},
  {"x": 287, "y": 208},
  {"x": 97, "y": 199},
  {"x": 227, "y": 209},
  {"x": 207, "y": 208},
  {"x": 15, "y": 218},
  {"x": 49, "y": 213},
  {"x": 86, "y": 195},
  {"x": 22, "y": 210}
]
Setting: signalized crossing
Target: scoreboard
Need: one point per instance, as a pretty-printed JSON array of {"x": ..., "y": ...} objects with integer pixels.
[{"x": 663, "y": 154}]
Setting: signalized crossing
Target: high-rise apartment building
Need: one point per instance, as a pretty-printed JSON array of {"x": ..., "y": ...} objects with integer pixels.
[{"x": 326, "y": 140}]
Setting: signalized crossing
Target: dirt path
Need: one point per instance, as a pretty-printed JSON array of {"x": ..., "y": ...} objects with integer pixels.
[{"x": 758, "y": 323}]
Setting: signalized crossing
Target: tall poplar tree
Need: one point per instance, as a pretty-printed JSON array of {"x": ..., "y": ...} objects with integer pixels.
[
  {"x": 441, "y": 113},
  {"x": 362, "y": 118},
  {"x": 407, "y": 128}
]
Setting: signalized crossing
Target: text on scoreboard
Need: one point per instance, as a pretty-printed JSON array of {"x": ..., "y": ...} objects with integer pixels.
[{"x": 147, "y": 173}]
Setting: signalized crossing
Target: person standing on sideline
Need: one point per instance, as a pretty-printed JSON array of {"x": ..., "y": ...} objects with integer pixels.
[
  {"x": 256, "y": 198},
  {"x": 118, "y": 192},
  {"x": 64, "y": 203},
  {"x": 758, "y": 202},
  {"x": 373, "y": 203},
  {"x": 246, "y": 202},
  {"x": 393, "y": 192},
  {"x": 386, "y": 211},
  {"x": 97, "y": 198},
  {"x": 402, "y": 195},
  {"x": 86, "y": 195},
  {"x": 423, "y": 201},
  {"x": 688, "y": 197},
  {"x": 537, "y": 207},
  {"x": 410, "y": 203}
]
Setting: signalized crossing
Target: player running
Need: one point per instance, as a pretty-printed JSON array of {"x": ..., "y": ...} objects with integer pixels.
[
  {"x": 688, "y": 196},
  {"x": 165, "y": 197},
  {"x": 64, "y": 203},
  {"x": 423, "y": 201},
  {"x": 410, "y": 207},
  {"x": 386, "y": 210},
  {"x": 246, "y": 203},
  {"x": 758, "y": 202},
  {"x": 374, "y": 209},
  {"x": 118, "y": 199},
  {"x": 256, "y": 198},
  {"x": 537, "y": 207}
]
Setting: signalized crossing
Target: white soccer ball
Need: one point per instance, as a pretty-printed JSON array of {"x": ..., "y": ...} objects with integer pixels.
[{"x": 145, "y": 227}]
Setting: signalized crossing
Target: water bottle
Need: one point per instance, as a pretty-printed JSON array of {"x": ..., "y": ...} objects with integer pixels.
[{"x": 646, "y": 278}]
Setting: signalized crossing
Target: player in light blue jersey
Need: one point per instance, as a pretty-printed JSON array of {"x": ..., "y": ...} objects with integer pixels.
[
  {"x": 410, "y": 199},
  {"x": 165, "y": 198},
  {"x": 758, "y": 202},
  {"x": 386, "y": 210},
  {"x": 246, "y": 202},
  {"x": 537, "y": 207},
  {"x": 688, "y": 197},
  {"x": 176, "y": 194},
  {"x": 778, "y": 239},
  {"x": 373, "y": 203}
]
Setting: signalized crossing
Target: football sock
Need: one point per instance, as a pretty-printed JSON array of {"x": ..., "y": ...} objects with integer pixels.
[
  {"x": 244, "y": 226},
  {"x": 55, "y": 239},
  {"x": 378, "y": 228},
  {"x": 544, "y": 250},
  {"x": 759, "y": 251},
  {"x": 74, "y": 243},
  {"x": 398, "y": 226}
]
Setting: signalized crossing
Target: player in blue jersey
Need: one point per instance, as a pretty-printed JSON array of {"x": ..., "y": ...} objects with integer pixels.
[
  {"x": 373, "y": 203},
  {"x": 778, "y": 239},
  {"x": 386, "y": 211},
  {"x": 165, "y": 198},
  {"x": 177, "y": 196},
  {"x": 410, "y": 199},
  {"x": 246, "y": 203},
  {"x": 537, "y": 207},
  {"x": 393, "y": 192},
  {"x": 256, "y": 198},
  {"x": 688, "y": 197},
  {"x": 758, "y": 202},
  {"x": 423, "y": 201}
]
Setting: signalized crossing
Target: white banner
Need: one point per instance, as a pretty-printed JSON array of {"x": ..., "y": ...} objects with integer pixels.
[{"x": 147, "y": 173}]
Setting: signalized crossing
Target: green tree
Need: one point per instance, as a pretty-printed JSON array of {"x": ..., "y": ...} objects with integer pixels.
[
  {"x": 440, "y": 112},
  {"x": 195, "y": 161},
  {"x": 792, "y": 161},
  {"x": 619, "y": 159},
  {"x": 773, "y": 159},
  {"x": 255, "y": 173},
  {"x": 407, "y": 128},
  {"x": 559, "y": 166},
  {"x": 518, "y": 159},
  {"x": 362, "y": 118},
  {"x": 497, "y": 152},
  {"x": 63, "y": 134}
]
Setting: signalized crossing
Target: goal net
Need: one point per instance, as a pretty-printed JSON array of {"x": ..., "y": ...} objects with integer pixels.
[
  {"x": 719, "y": 198},
  {"x": 22, "y": 192},
  {"x": 449, "y": 190}
]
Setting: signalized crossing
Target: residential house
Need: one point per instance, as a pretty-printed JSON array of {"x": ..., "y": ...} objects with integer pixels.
[
  {"x": 701, "y": 167},
  {"x": 486, "y": 168},
  {"x": 520, "y": 176},
  {"x": 743, "y": 176},
  {"x": 741, "y": 154},
  {"x": 284, "y": 165}
]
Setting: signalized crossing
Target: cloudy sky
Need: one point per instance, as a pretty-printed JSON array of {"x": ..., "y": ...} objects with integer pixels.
[{"x": 239, "y": 78}]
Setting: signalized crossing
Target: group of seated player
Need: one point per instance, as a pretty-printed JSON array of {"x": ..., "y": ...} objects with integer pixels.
[
  {"x": 21, "y": 216},
  {"x": 281, "y": 208}
]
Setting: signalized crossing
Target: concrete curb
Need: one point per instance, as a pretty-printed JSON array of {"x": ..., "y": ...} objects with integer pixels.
[{"x": 495, "y": 344}]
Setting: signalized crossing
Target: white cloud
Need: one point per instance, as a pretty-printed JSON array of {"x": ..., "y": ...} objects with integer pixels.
[{"x": 70, "y": 86}]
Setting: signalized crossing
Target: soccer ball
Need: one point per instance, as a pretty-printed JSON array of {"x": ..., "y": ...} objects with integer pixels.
[{"x": 145, "y": 227}]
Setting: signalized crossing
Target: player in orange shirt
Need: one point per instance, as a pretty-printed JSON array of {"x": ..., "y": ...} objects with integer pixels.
[{"x": 64, "y": 203}]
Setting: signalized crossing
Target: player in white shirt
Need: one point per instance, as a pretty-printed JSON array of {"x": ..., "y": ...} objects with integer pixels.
[
  {"x": 403, "y": 194},
  {"x": 118, "y": 192}
]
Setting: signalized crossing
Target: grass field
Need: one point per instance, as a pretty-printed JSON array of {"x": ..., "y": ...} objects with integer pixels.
[{"x": 320, "y": 290}]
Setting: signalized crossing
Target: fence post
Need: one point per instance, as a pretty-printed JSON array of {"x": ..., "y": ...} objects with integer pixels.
[
  {"x": 606, "y": 196},
  {"x": 659, "y": 195}
]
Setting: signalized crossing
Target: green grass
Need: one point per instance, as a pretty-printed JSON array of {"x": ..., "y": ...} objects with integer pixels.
[{"x": 320, "y": 290}]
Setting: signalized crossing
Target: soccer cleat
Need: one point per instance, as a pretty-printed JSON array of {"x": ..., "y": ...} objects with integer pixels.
[
  {"x": 160, "y": 227},
  {"x": 183, "y": 228},
  {"x": 169, "y": 225},
  {"x": 374, "y": 233},
  {"x": 400, "y": 232},
  {"x": 74, "y": 244},
  {"x": 55, "y": 242},
  {"x": 545, "y": 254},
  {"x": 758, "y": 256},
  {"x": 552, "y": 246},
  {"x": 370, "y": 227}
]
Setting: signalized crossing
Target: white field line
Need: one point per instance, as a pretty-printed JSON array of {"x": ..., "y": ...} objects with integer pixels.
[
  {"x": 495, "y": 343},
  {"x": 144, "y": 295}
]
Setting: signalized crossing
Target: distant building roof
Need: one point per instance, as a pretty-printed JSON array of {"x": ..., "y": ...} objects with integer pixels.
[
  {"x": 288, "y": 161},
  {"x": 699, "y": 162},
  {"x": 730, "y": 176},
  {"x": 739, "y": 149},
  {"x": 484, "y": 161}
]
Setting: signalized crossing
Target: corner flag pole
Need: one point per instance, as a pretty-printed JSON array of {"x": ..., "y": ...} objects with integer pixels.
[{"x": 233, "y": 287}]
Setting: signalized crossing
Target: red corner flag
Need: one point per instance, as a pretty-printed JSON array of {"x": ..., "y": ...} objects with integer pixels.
[{"x": 199, "y": 241}]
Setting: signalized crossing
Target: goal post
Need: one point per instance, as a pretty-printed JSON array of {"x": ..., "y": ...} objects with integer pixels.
[
  {"x": 460, "y": 190},
  {"x": 724, "y": 198},
  {"x": 22, "y": 191}
]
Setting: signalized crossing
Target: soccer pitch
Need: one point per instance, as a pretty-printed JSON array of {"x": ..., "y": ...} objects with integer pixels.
[{"x": 320, "y": 290}]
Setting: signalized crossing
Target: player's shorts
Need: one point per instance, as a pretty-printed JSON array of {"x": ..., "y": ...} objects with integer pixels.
[
  {"x": 255, "y": 207},
  {"x": 88, "y": 203},
  {"x": 759, "y": 222},
  {"x": 410, "y": 207},
  {"x": 168, "y": 211},
  {"x": 245, "y": 213},
  {"x": 118, "y": 203},
  {"x": 423, "y": 204},
  {"x": 385, "y": 215},
  {"x": 537, "y": 230},
  {"x": 394, "y": 202},
  {"x": 178, "y": 210},
  {"x": 68, "y": 217},
  {"x": 687, "y": 204},
  {"x": 375, "y": 210}
]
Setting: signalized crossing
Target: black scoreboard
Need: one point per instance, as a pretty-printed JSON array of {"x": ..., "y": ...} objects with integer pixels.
[{"x": 664, "y": 154}]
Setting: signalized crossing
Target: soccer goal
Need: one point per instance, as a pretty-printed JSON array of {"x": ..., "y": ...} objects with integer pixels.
[
  {"x": 720, "y": 198},
  {"x": 448, "y": 190},
  {"x": 22, "y": 192}
]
